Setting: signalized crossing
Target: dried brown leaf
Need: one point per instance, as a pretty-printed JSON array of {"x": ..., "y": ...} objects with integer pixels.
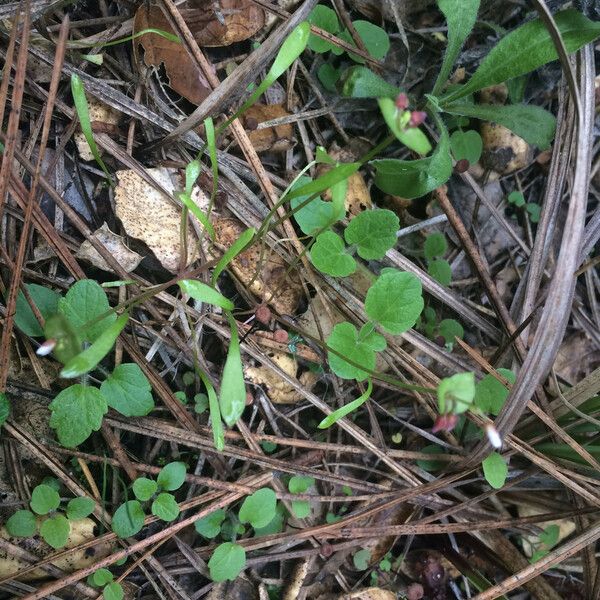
[{"x": 273, "y": 139}]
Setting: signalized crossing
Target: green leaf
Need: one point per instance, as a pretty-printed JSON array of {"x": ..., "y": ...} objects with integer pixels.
[
  {"x": 329, "y": 255},
  {"x": 534, "y": 124},
  {"x": 80, "y": 508},
  {"x": 144, "y": 488},
  {"x": 375, "y": 39},
  {"x": 67, "y": 342},
  {"x": 83, "y": 114},
  {"x": 113, "y": 591},
  {"x": 165, "y": 507},
  {"x": 455, "y": 394},
  {"x": 460, "y": 16},
  {"x": 275, "y": 525},
  {"x": 4, "y": 408},
  {"x": 395, "y": 301},
  {"x": 414, "y": 178},
  {"x": 537, "y": 555},
  {"x": 88, "y": 359},
  {"x": 76, "y": 412},
  {"x": 324, "y": 18},
  {"x": 44, "y": 499},
  {"x": 236, "y": 248},
  {"x": 128, "y": 391},
  {"x": 258, "y": 509},
  {"x": 101, "y": 577},
  {"x": 215, "y": 413},
  {"x": 204, "y": 293},
  {"x": 435, "y": 245},
  {"x": 440, "y": 270},
  {"x": 411, "y": 137},
  {"x": 232, "y": 399},
  {"x": 290, "y": 50},
  {"x": 188, "y": 202},
  {"x": 172, "y": 476},
  {"x": 361, "y": 559},
  {"x": 326, "y": 181},
  {"x": 46, "y": 301},
  {"x": 490, "y": 394},
  {"x": 549, "y": 537},
  {"x": 85, "y": 302},
  {"x": 360, "y": 349},
  {"x": 210, "y": 525},
  {"x": 466, "y": 145},
  {"x": 128, "y": 519},
  {"x": 431, "y": 464},
  {"x": 298, "y": 484},
  {"x": 316, "y": 214},
  {"x": 374, "y": 232},
  {"x": 516, "y": 198},
  {"x": 301, "y": 508},
  {"x": 534, "y": 211},
  {"x": 200, "y": 403},
  {"x": 526, "y": 48},
  {"x": 361, "y": 82},
  {"x": 495, "y": 470},
  {"x": 21, "y": 524},
  {"x": 336, "y": 415},
  {"x": 449, "y": 329},
  {"x": 328, "y": 76},
  {"x": 55, "y": 531},
  {"x": 227, "y": 562}
]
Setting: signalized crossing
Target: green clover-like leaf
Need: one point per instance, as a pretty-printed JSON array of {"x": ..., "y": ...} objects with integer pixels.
[
  {"x": 165, "y": 507},
  {"x": 172, "y": 476},
  {"x": 210, "y": 525},
  {"x": 80, "y": 508},
  {"x": 374, "y": 232},
  {"x": 44, "y": 499},
  {"x": 455, "y": 394},
  {"x": 128, "y": 391},
  {"x": 258, "y": 509},
  {"x": 55, "y": 531},
  {"x": 329, "y": 255},
  {"x": 144, "y": 488},
  {"x": 21, "y": 524}
]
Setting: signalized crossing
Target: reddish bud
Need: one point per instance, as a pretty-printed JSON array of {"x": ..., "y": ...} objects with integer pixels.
[
  {"x": 402, "y": 101},
  {"x": 444, "y": 423},
  {"x": 263, "y": 314},
  {"x": 462, "y": 165},
  {"x": 416, "y": 118},
  {"x": 326, "y": 550},
  {"x": 281, "y": 336}
]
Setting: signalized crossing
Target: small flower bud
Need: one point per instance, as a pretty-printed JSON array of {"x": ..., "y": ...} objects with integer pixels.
[
  {"x": 493, "y": 436},
  {"x": 46, "y": 348},
  {"x": 402, "y": 101},
  {"x": 444, "y": 423},
  {"x": 281, "y": 336},
  {"x": 416, "y": 118}
]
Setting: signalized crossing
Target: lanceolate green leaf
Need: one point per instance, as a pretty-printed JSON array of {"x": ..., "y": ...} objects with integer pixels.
[
  {"x": 204, "y": 293},
  {"x": 460, "y": 16},
  {"x": 336, "y": 415},
  {"x": 361, "y": 82},
  {"x": 232, "y": 398},
  {"x": 89, "y": 358},
  {"x": 534, "y": 124},
  {"x": 324, "y": 182},
  {"x": 189, "y": 203},
  {"x": 414, "y": 178},
  {"x": 237, "y": 247},
  {"x": 527, "y": 48},
  {"x": 215, "y": 413}
]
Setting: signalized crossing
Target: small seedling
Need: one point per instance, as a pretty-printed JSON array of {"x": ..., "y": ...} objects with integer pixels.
[
  {"x": 129, "y": 518},
  {"x": 546, "y": 541},
  {"x": 103, "y": 578},
  {"x": 299, "y": 484},
  {"x": 53, "y": 523},
  {"x": 435, "y": 247}
]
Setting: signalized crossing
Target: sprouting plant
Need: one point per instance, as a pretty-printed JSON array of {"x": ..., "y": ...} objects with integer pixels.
[
  {"x": 111, "y": 589},
  {"x": 517, "y": 199},
  {"x": 546, "y": 541},
  {"x": 299, "y": 484},
  {"x": 439, "y": 268},
  {"x": 47, "y": 516},
  {"x": 80, "y": 330},
  {"x": 128, "y": 519}
]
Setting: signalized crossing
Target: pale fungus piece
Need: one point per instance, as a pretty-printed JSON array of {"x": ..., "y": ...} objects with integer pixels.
[
  {"x": 151, "y": 216},
  {"x": 82, "y": 531},
  {"x": 115, "y": 245},
  {"x": 99, "y": 113},
  {"x": 261, "y": 270},
  {"x": 503, "y": 151}
]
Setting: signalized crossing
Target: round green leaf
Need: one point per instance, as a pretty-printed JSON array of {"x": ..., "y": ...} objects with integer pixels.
[
  {"x": 210, "y": 525},
  {"x": 440, "y": 270},
  {"x": 80, "y": 508},
  {"x": 128, "y": 519},
  {"x": 144, "y": 488},
  {"x": 358, "y": 347},
  {"x": 301, "y": 508},
  {"x": 329, "y": 255},
  {"x": 328, "y": 76},
  {"x": 361, "y": 559},
  {"x": 165, "y": 507},
  {"x": 76, "y": 412},
  {"x": 46, "y": 301},
  {"x": 375, "y": 39},
  {"x": 395, "y": 301},
  {"x": 113, "y": 591},
  {"x": 172, "y": 476},
  {"x": 275, "y": 525},
  {"x": 298, "y": 484},
  {"x": 374, "y": 232},
  {"x": 55, "y": 531},
  {"x": 435, "y": 245},
  {"x": 258, "y": 509},
  {"x": 102, "y": 577},
  {"x": 495, "y": 470},
  {"x": 316, "y": 214},
  {"x": 455, "y": 394},
  {"x": 325, "y": 18},
  {"x": 466, "y": 145},
  {"x": 490, "y": 394},
  {"x": 227, "y": 562},
  {"x": 449, "y": 329},
  {"x": 128, "y": 391},
  {"x": 21, "y": 524},
  {"x": 44, "y": 499}
]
